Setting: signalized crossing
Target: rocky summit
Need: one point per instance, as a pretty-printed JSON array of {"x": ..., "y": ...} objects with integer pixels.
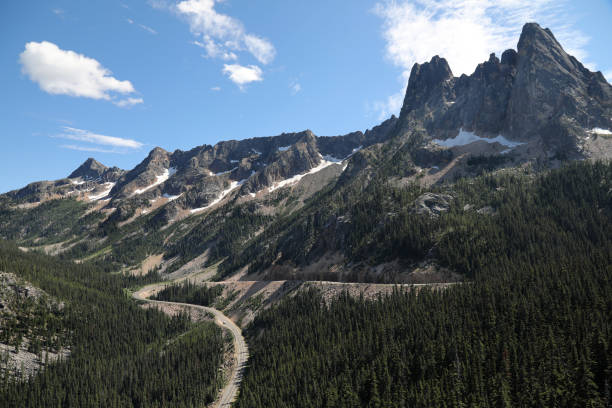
[{"x": 537, "y": 95}]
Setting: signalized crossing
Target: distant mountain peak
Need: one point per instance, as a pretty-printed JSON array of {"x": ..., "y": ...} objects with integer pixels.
[{"x": 90, "y": 169}]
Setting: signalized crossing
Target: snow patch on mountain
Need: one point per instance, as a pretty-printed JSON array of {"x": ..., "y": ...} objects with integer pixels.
[
  {"x": 225, "y": 172},
  {"x": 171, "y": 197},
  {"x": 465, "y": 138},
  {"x": 600, "y": 131},
  {"x": 233, "y": 185},
  {"x": 158, "y": 180},
  {"x": 105, "y": 193},
  {"x": 292, "y": 180}
]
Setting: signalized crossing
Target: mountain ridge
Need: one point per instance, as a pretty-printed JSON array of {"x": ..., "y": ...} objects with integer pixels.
[{"x": 275, "y": 206}]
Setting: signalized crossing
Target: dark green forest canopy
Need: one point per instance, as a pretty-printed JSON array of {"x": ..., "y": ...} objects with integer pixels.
[
  {"x": 120, "y": 354},
  {"x": 189, "y": 292},
  {"x": 533, "y": 327}
]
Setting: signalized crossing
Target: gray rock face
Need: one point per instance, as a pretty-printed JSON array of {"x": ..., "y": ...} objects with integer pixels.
[
  {"x": 536, "y": 94},
  {"x": 40, "y": 191},
  {"x": 432, "y": 204},
  {"x": 93, "y": 170},
  {"x": 429, "y": 83},
  {"x": 143, "y": 175},
  {"x": 198, "y": 177},
  {"x": 90, "y": 169}
]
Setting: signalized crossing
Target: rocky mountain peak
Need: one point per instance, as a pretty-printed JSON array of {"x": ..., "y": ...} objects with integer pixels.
[
  {"x": 554, "y": 96},
  {"x": 158, "y": 153},
  {"x": 425, "y": 82},
  {"x": 509, "y": 57},
  {"x": 537, "y": 95},
  {"x": 538, "y": 45},
  {"x": 532, "y": 35},
  {"x": 90, "y": 169}
]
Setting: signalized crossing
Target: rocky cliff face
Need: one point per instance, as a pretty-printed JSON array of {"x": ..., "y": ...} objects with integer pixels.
[{"x": 537, "y": 95}]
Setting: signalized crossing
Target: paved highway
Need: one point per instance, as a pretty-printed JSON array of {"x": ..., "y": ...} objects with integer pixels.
[{"x": 241, "y": 352}]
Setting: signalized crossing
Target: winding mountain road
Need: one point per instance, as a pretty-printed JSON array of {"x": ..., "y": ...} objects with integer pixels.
[{"x": 241, "y": 352}]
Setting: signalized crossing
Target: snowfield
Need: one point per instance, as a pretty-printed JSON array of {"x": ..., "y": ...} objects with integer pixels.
[
  {"x": 159, "y": 179},
  {"x": 464, "y": 138},
  {"x": 292, "y": 180},
  {"x": 224, "y": 193},
  {"x": 103, "y": 194}
]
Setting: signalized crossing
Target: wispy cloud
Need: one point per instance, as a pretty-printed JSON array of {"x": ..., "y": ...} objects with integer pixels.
[
  {"x": 261, "y": 48},
  {"x": 98, "y": 142},
  {"x": 465, "y": 32},
  {"x": 214, "y": 51},
  {"x": 90, "y": 149},
  {"x": 58, "y": 12},
  {"x": 147, "y": 28},
  {"x": 295, "y": 87},
  {"x": 215, "y": 88},
  {"x": 223, "y": 35},
  {"x": 64, "y": 72},
  {"x": 387, "y": 107},
  {"x": 144, "y": 27},
  {"x": 128, "y": 102},
  {"x": 242, "y": 75}
]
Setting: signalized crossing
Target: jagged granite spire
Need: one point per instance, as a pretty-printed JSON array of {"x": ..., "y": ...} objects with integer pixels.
[
  {"x": 425, "y": 82},
  {"x": 537, "y": 94}
]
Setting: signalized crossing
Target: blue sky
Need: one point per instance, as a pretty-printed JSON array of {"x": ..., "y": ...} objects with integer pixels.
[{"x": 113, "y": 79}]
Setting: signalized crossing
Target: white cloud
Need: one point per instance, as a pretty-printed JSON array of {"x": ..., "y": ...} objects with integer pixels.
[
  {"x": 223, "y": 35},
  {"x": 465, "y": 32},
  {"x": 213, "y": 50},
  {"x": 86, "y": 136},
  {"x": 215, "y": 88},
  {"x": 389, "y": 106},
  {"x": 242, "y": 75},
  {"x": 260, "y": 48},
  {"x": 64, "y": 72},
  {"x": 608, "y": 75},
  {"x": 127, "y": 102}
]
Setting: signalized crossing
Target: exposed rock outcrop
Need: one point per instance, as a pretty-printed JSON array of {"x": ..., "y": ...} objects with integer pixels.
[{"x": 538, "y": 95}]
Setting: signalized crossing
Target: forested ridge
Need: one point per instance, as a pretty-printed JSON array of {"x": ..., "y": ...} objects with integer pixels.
[
  {"x": 120, "y": 354},
  {"x": 532, "y": 328}
]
